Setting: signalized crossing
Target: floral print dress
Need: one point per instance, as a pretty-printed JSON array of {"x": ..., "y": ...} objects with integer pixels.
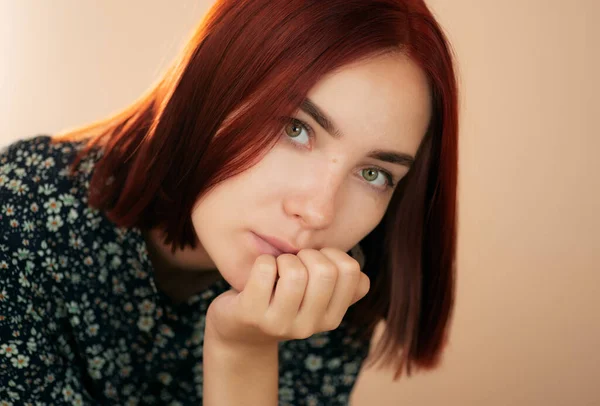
[{"x": 82, "y": 321}]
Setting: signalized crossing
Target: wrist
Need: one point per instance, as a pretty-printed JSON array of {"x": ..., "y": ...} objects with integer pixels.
[
  {"x": 215, "y": 342},
  {"x": 236, "y": 372}
]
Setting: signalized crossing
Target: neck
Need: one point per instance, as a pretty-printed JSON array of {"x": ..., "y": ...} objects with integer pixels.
[
  {"x": 182, "y": 273},
  {"x": 187, "y": 259}
]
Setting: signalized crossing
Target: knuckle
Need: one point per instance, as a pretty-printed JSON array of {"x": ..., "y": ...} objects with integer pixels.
[
  {"x": 332, "y": 322},
  {"x": 265, "y": 267},
  {"x": 264, "y": 274},
  {"x": 286, "y": 256},
  {"x": 365, "y": 283},
  {"x": 305, "y": 251},
  {"x": 296, "y": 273},
  {"x": 327, "y": 272},
  {"x": 264, "y": 259},
  {"x": 350, "y": 267},
  {"x": 329, "y": 250}
]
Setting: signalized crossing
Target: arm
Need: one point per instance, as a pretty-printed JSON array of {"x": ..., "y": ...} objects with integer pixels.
[
  {"x": 239, "y": 374},
  {"x": 38, "y": 374},
  {"x": 35, "y": 366},
  {"x": 285, "y": 298},
  {"x": 32, "y": 365}
]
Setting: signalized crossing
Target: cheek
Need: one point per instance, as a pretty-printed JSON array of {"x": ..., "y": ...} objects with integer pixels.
[
  {"x": 219, "y": 221},
  {"x": 238, "y": 279},
  {"x": 357, "y": 221},
  {"x": 225, "y": 197}
]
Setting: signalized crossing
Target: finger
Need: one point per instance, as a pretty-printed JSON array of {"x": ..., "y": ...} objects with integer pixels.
[
  {"x": 289, "y": 292},
  {"x": 258, "y": 289},
  {"x": 364, "y": 284},
  {"x": 345, "y": 288},
  {"x": 322, "y": 277}
]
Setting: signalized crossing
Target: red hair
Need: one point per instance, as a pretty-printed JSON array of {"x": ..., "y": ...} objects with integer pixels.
[{"x": 259, "y": 59}]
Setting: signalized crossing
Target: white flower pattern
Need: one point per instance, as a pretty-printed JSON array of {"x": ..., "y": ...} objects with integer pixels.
[{"x": 81, "y": 320}]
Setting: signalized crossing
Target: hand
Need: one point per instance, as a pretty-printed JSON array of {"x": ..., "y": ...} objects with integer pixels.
[{"x": 288, "y": 297}]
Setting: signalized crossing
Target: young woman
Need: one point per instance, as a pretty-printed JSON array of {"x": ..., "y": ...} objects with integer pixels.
[{"x": 235, "y": 235}]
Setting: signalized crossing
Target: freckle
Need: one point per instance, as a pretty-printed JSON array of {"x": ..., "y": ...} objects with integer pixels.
[{"x": 334, "y": 160}]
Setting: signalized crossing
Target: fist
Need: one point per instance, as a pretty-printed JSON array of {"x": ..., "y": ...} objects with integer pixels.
[{"x": 289, "y": 297}]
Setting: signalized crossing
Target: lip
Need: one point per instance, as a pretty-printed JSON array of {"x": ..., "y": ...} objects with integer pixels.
[{"x": 272, "y": 245}]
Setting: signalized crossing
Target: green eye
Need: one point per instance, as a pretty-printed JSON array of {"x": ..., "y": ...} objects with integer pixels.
[
  {"x": 293, "y": 129},
  {"x": 370, "y": 174},
  {"x": 298, "y": 132},
  {"x": 377, "y": 177}
]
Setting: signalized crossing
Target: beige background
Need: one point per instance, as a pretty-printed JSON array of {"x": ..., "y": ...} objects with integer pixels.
[{"x": 526, "y": 330}]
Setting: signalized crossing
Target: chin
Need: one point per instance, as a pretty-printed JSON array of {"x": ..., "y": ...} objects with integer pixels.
[
  {"x": 235, "y": 274},
  {"x": 235, "y": 262}
]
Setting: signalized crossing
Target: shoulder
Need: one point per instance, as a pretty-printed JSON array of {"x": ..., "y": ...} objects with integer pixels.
[
  {"x": 31, "y": 152},
  {"x": 40, "y": 204},
  {"x": 36, "y": 183},
  {"x": 37, "y": 161},
  {"x": 40, "y": 201},
  {"x": 31, "y": 192},
  {"x": 38, "y": 168}
]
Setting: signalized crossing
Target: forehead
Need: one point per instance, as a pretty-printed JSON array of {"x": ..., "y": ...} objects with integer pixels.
[{"x": 385, "y": 98}]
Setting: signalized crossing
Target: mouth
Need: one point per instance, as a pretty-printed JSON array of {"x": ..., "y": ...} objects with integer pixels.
[{"x": 273, "y": 246}]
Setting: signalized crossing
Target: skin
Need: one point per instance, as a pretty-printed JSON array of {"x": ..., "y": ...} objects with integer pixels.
[
  {"x": 319, "y": 193},
  {"x": 311, "y": 192}
]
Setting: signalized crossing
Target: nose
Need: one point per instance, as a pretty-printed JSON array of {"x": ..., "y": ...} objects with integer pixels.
[{"x": 313, "y": 202}]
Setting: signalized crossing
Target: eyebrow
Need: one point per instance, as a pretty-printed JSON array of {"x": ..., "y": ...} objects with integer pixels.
[{"x": 393, "y": 157}]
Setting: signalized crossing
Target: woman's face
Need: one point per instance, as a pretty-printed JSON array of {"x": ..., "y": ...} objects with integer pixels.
[{"x": 329, "y": 179}]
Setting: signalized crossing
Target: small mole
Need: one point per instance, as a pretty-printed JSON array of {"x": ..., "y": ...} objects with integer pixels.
[{"x": 334, "y": 160}]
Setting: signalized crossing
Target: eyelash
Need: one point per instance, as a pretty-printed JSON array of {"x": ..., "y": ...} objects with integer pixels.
[{"x": 311, "y": 134}]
